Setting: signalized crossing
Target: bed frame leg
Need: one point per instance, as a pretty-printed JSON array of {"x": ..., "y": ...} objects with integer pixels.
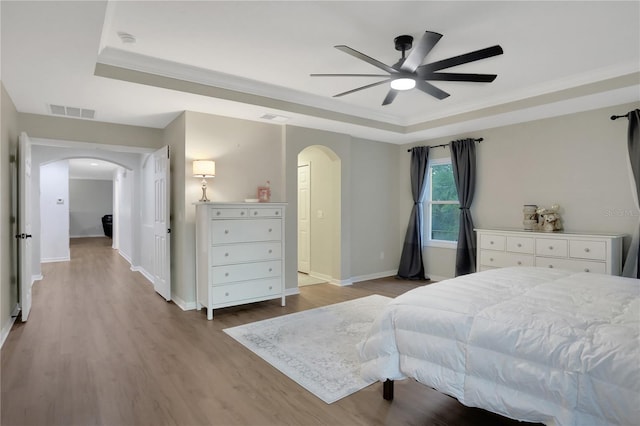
[{"x": 387, "y": 390}]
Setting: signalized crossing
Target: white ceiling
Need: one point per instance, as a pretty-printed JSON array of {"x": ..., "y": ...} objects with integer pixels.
[
  {"x": 90, "y": 168},
  {"x": 246, "y": 59}
]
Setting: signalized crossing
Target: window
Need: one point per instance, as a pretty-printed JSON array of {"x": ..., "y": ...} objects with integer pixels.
[{"x": 442, "y": 213}]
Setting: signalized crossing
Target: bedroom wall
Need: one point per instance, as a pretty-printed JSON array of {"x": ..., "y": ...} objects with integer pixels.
[
  {"x": 54, "y": 204},
  {"x": 89, "y": 200},
  {"x": 8, "y": 272},
  {"x": 71, "y": 129},
  {"x": 247, "y": 154},
  {"x": 578, "y": 161}
]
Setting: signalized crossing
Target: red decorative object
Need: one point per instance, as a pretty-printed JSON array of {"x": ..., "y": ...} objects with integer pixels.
[{"x": 264, "y": 193}]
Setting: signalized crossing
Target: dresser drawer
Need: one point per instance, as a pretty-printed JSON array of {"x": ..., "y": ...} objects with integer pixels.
[
  {"x": 265, "y": 212},
  {"x": 551, "y": 247},
  {"x": 245, "y": 252},
  {"x": 229, "y": 213},
  {"x": 492, "y": 242},
  {"x": 572, "y": 265},
  {"x": 520, "y": 244},
  {"x": 238, "y": 231},
  {"x": 498, "y": 259},
  {"x": 245, "y": 271},
  {"x": 226, "y": 295},
  {"x": 584, "y": 249}
]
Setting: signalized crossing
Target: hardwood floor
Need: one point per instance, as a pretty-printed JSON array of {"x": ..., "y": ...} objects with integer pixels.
[{"x": 102, "y": 348}]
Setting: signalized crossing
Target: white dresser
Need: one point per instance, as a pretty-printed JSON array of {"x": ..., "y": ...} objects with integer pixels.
[
  {"x": 600, "y": 253},
  {"x": 239, "y": 254}
]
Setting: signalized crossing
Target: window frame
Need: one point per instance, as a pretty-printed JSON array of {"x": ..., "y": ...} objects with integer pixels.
[{"x": 428, "y": 203}]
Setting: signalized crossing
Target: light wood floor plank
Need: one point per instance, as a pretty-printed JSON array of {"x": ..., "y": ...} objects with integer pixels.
[{"x": 102, "y": 348}]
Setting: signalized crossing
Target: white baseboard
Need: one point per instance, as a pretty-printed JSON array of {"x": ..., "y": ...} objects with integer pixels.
[
  {"x": 144, "y": 272},
  {"x": 291, "y": 291},
  {"x": 125, "y": 257},
  {"x": 87, "y": 236},
  {"x": 7, "y": 328},
  {"x": 35, "y": 278},
  {"x": 437, "y": 277},
  {"x": 374, "y": 276},
  {"x": 56, "y": 259},
  {"x": 185, "y": 306}
]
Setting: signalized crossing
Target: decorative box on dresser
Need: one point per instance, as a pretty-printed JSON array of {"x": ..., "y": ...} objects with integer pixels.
[
  {"x": 239, "y": 254},
  {"x": 589, "y": 252}
]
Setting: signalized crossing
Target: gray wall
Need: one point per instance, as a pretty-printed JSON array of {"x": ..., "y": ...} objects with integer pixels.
[
  {"x": 578, "y": 161},
  {"x": 89, "y": 200}
]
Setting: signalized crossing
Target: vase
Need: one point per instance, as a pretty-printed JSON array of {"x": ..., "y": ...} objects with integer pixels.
[{"x": 530, "y": 217}]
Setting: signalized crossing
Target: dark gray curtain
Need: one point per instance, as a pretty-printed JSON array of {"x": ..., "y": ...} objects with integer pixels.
[
  {"x": 463, "y": 160},
  {"x": 632, "y": 263},
  {"x": 411, "y": 264}
]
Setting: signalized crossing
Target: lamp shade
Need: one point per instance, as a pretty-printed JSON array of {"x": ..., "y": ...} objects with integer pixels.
[{"x": 204, "y": 168}]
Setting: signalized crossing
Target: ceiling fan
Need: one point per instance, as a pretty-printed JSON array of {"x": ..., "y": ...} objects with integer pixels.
[{"x": 409, "y": 72}]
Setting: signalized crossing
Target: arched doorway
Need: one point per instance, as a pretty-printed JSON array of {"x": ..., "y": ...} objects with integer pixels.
[{"x": 319, "y": 215}]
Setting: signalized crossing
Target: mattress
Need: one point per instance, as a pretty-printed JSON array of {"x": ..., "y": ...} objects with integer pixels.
[{"x": 532, "y": 344}]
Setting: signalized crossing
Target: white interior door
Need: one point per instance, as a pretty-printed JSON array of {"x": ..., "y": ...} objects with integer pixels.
[
  {"x": 161, "y": 231},
  {"x": 25, "y": 277},
  {"x": 304, "y": 200}
]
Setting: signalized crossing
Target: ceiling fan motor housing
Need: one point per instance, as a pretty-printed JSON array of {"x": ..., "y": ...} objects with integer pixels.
[{"x": 403, "y": 42}]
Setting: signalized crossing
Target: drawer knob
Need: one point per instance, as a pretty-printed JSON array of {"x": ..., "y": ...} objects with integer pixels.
[
  {"x": 551, "y": 266},
  {"x": 255, "y": 213},
  {"x": 226, "y": 274},
  {"x": 519, "y": 263},
  {"x": 270, "y": 251},
  {"x": 270, "y": 269},
  {"x": 270, "y": 287},
  {"x": 277, "y": 213},
  {"x": 217, "y": 213},
  {"x": 586, "y": 250},
  {"x": 491, "y": 259},
  {"x": 226, "y": 231},
  {"x": 226, "y": 255},
  {"x": 490, "y": 242},
  {"x": 586, "y": 269},
  {"x": 270, "y": 229},
  {"x": 519, "y": 245},
  {"x": 227, "y": 293},
  {"x": 550, "y": 247},
  {"x": 241, "y": 213}
]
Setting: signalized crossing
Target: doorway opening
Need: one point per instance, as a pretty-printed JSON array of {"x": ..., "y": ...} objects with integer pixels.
[{"x": 319, "y": 213}]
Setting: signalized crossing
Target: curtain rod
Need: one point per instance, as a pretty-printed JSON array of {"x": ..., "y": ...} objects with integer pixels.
[
  {"x": 447, "y": 144},
  {"x": 615, "y": 117}
]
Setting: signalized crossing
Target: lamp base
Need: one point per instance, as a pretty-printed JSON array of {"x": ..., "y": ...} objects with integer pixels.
[{"x": 204, "y": 198}]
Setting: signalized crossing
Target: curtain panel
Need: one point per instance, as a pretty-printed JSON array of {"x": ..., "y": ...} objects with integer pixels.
[
  {"x": 632, "y": 261},
  {"x": 411, "y": 263},
  {"x": 463, "y": 160}
]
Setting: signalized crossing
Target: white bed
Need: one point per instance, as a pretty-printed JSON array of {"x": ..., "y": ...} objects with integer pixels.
[{"x": 532, "y": 344}]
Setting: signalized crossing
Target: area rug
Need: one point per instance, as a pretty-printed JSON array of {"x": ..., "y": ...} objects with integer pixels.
[{"x": 316, "y": 348}]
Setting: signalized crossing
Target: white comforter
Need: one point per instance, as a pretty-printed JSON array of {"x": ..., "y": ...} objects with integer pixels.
[{"x": 532, "y": 344}]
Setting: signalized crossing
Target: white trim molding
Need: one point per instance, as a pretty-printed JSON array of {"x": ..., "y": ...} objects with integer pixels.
[
  {"x": 7, "y": 328},
  {"x": 185, "y": 306}
]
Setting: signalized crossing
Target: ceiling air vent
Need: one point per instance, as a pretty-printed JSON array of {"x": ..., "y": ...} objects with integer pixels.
[
  {"x": 74, "y": 112},
  {"x": 276, "y": 118}
]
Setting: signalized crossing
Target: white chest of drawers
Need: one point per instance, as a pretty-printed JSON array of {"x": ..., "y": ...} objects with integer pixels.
[
  {"x": 239, "y": 254},
  {"x": 499, "y": 248}
]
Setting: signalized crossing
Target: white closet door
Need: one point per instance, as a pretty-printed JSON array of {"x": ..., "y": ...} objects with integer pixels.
[{"x": 25, "y": 277}]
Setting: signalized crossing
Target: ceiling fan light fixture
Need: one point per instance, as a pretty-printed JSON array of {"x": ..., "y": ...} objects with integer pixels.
[{"x": 403, "y": 83}]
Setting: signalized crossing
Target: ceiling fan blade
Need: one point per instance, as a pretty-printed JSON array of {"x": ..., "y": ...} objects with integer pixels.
[
  {"x": 453, "y": 76},
  {"x": 349, "y": 75},
  {"x": 367, "y": 59},
  {"x": 361, "y": 88},
  {"x": 390, "y": 96},
  {"x": 431, "y": 89},
  {"x": 462, "y": 59},
  {"x": 420, "y": 51}
]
